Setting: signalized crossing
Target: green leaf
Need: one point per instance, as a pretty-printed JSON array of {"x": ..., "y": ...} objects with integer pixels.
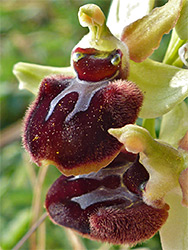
[
  {"x": 144, "y": 35},
  {"x": 163, "y": 86},
  {"x": 30, "y": 75},
  {"x": 174, "y": 125}
]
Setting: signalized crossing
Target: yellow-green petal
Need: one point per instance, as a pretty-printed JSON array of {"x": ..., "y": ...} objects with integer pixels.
[
  {"x": 30, "y": 75},
  {"x": 144, "y": 35},
  {"x": 174, "y": 124},
  {"x": 163, "y": 86}
]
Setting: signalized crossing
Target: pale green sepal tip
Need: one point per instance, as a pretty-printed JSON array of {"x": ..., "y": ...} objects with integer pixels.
[
  {"x": 163, "y": 162},
  {"x": 163, "y": 86},
  {"x": 30, "y": 75}
]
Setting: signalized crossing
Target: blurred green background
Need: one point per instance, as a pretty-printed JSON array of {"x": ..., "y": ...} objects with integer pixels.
[{"x": 42, "y": 32}]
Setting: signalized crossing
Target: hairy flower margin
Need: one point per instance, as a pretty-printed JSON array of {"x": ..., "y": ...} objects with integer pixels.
[{"x": 161, "y": 168}]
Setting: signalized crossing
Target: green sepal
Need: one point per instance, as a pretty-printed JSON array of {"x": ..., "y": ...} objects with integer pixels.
[
  {"x": 144, "y": 35},
  {"x": 163, "y": 86},
  {"x": 30, "y": 75}
]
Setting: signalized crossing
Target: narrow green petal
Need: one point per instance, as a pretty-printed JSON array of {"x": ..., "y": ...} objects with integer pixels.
[
  {"x": 163, "y": 162},
  {"x": 144, "y": 35},
  {"x": 163, "y": 86},
  {"x": 122, "y": 13},
  {"x": 174, "y": 232},
  {"x": 182, "y": 24},
  {"x": 30, "y": 75},
  {"x": 174, "y": 124}
]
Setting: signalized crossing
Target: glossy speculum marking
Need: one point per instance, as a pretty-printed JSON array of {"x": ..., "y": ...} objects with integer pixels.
[
  {"x": 91, "y": 66},
  {"x": 85, "y": 91}
]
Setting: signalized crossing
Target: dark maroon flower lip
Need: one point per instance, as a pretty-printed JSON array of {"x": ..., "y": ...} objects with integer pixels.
[
  {"x": 106, "y": 205},
  {"x": 68, "y": 126}
]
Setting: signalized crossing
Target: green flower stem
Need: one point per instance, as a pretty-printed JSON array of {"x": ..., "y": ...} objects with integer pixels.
[
  {"x": 163, "y": 162},
  {"x": 149, "y": 124},
  {"x": 172, "y": 52}
]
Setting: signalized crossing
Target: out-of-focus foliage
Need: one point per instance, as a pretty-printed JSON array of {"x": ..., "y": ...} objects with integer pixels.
[{"x": 42, "y": 32}]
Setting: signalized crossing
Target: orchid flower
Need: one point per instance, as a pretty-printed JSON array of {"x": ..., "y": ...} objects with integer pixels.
[{"x": 119, "y": 183}]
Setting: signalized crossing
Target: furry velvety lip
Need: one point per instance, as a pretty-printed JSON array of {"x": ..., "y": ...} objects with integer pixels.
[
  {"x": 67, "y": 125},
  {"x": 73, "y": 139},
  {"x": 106, "y": 205}
]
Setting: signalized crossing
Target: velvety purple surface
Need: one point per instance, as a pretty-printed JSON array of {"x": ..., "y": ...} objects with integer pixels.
[
  {"x": 83, "y": 141},
  {"x": 106, "y": 205}
]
